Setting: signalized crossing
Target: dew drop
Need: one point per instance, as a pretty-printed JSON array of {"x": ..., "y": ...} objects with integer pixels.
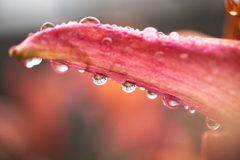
[
  {"x": 90, "y": 20},
  {"x": 150, "y": 34},
  {"x": 128, "y": 50},
  {"x": 59, "y": 67},
  {"x": 128, "y": 87},
  {"x": 186, "y": 107},
  {"x": 171, "y": 102},
  {"x": 81, "y": 71},
  {"x": 30, "y": 62},
  {"x": 47, "y": 25},
  {"x": 107, "y": 41},
  {"x": 191, "y": 110},
  {"x": 151, "y": 95},
  {"x": 142, "y": 88},
  {"x": 174, "y": 35},
  {"x": 212, "y": 123},
  {"x": 99, "y": 79},
  {"x": 183, "y": 56},
  {"x": 232, "y": 7}
]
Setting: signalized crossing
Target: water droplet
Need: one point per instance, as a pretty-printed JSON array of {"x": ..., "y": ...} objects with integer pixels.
[
  {"x": 128, "y": 50},
  {"x": 171, "y": 102},
  {"x": 29, "y": 34},
  {"x": 174, "y": 35},
  {"x": 232, "y": 7},
  {"x": 142, "y": 88},
  {"x": 30, "y": 62},
  {"x": 183, "y": 56},
  {"x": 90, "y": 20},
  {"x": 186, "y": 107},
  {"x": 81, "y": 71},
  {"x": 47, "y": 25},
  {"x": 107, "y": 42},
  {"x": 99, "y": 79},
  {"x": 127, "y": 27},
  {"x": 128, "y": 87},
  {"x": 59, "y": 67},
  {"x": 192, "y": 110},
  {"x": 151, "y": 95},
  {"x": 150, "y": 34},
  {"x": 212, "y": 123},
  {"x": 117, "y": 77}
]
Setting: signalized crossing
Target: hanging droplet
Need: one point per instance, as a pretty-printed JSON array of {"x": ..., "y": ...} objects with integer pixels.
[
  {"x": 151, "y": 95},
  {"x": 99, "y": 79},
  {"x": 150, "y": 34},
  {"x": 128, "y": 87},
  {"x": 30, "y": 62},
  {"x": 142, "y": 88},
  {"x": 212, "y": 123},
  {"x": 47, "y": 25},
  {"x": 192, "y": 110},
  {"x": 90, "y": 20},
  {"x": 233, "y": 7},
  {"x": 186, "y": 107},
  {"x": 174, "y": 35},
  {"x": 59, "y": 67},
  {"x": 81, "y": 71},
  {"x": 171, "y": 102}
]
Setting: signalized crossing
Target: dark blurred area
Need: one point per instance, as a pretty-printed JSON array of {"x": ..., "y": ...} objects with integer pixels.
[{"x": 49, "y": 116}]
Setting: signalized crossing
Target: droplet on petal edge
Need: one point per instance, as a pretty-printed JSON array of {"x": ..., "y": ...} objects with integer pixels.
[
  {"x": 142, "y": 88},
  {"x": 59, "y": 67},
  {"x": 171, "y": 102},
  {"x": 30, "y": 62},
  {"x": 47, "y": 25},
  {"x": 212, "y": 123},
  {"x": 186, "y": 107},
  {"x": 128, "y": 87},
  {"x": 150, "y": 34},
  {"x": 90, "y": 20},
  {"x": 81, "y": 71},
  {"x": 174, "y": 35},
  {"x": 192, "y": 110},
  {"x": 151, "y": 95},
  {"x": 99, "y": 79}
]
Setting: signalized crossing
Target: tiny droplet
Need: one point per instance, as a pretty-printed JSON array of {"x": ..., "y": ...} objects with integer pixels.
[
  {"x": 186, "y": 107},
  {"x": 171, "y": 102},
  {"x": 47, "y": 25},
  {"x": 107, "y": 41},
  {"x": 81, "y": 71},
  {"x": 142, "y": 88},
  {"x": 99, "y": 79},
  {"x": 192, "y": 110},
  {"x": 90, "y": 20},
  {"x": 151, "y": 95},
  {"x": 128, "y": 87},
  {"x": 212, "y": 123},
  {"x": 150, "y": 34},
  {"x": 59, "y": 67},
  {"x": 174, "y": 35}
]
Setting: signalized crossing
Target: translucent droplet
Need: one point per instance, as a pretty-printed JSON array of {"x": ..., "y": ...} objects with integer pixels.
[
  {"x": 90, "y": 20},
  {"x": 174, "y": 35},
  {"x": 212, "y": 123},
  {"x": 99, "y": 79},
  {"x": 171, "y": 102},
  {"x": 59, "y": 67},
  {"x": 150, "y": 34},
  {"x": 233, "y": 7},
  {"x": 186, "y": 107},
  {"x": 128, "y": 87},
  {"x": 30, "y": 62},
  {"x": 128, "y": 50},
  {"x": 107, "y": 42},
  {"x": 151, "y": 95},
  {"x": 127, "y": 27},
  {"x": 47, "y": 25},
  {"x": 183, "y": 56},
  {"x": 81, "y": 71},
  {"x": 142, "y": 88},
  {"x": 192, "y": 110}
]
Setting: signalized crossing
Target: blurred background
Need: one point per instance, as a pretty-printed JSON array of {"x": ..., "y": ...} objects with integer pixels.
[{"x": 49, "y": 116}]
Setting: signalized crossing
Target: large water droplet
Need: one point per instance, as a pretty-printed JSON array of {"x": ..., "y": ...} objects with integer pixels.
[
  {"x": 171, "y": 102},
  {"x": 212, "y": 123},
  {"x": 99, "y": 79},
  {"x": 90, "y": 20},
  {"x": 30, "y": 62},
  {"x": 192, "y": 110},
  {"x": 47, "y": 25},
  {"x": 151, "y": 95},
  {"x": 174, "y": 35},
  {"x": 233, "y": 7},
  {"x": 150, "y": 34},
  {"x": 59, "y": 67},
  {"x": 128, "y": 87}
]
